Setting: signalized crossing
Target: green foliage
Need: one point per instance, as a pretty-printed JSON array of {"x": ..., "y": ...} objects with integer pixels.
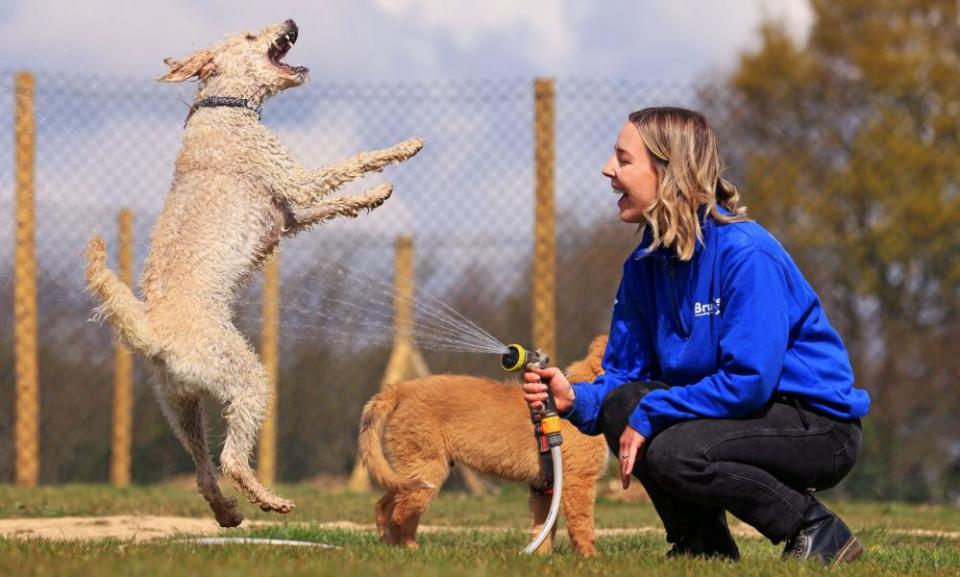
[{"x": 849, "y": 146}]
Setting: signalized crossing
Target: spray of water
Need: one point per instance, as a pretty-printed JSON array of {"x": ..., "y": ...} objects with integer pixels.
[{"x": 358, "y": 306}]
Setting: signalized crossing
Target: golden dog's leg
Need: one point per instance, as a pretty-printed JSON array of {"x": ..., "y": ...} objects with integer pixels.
[
  {"x": 384, "y": 509},
  {"x": 407, "y": 509},
  {"x": 313, "y": 185},
  {"x": 409, "y": 505},
  {"x": 345, "y": 206},
  {"x": 578, "y": 500}
]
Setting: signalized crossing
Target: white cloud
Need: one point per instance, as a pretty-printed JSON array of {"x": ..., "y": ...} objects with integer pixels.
[
  {"x": 391, "y": 40},
  {"x": 547, "y": 27}
]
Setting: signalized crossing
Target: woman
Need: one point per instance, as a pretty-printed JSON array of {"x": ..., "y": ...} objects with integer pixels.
[{"x": 726, "y": 388}]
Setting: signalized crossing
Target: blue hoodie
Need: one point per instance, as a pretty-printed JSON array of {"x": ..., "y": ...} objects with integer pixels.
[{"x": 725, "y": 331}]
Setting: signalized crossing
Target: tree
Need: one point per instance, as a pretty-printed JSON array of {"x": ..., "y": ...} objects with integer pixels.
[{"x": 849, "y": 148}]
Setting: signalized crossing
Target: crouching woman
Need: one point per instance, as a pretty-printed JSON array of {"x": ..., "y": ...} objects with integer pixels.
[{"x": 726, "y": 388}]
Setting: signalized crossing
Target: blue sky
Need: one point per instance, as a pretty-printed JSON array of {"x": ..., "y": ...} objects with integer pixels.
[
  {"x": 396, "y": 40},
  {"x": 94, "y": 153},
  {"x": 463, "y": 197},
  {"x": 86, "y": 141}
]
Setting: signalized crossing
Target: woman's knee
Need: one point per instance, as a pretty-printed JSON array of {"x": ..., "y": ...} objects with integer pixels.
[
  {"x": 844, "y": 459},
  {"x": 615, "y": 411},
  {"x": 673, "y": 455}
]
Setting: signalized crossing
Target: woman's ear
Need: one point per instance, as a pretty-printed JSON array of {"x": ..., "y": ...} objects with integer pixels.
[{"x": 199, "y": 64}]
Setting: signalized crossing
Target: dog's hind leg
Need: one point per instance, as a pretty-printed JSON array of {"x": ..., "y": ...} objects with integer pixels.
[
  {"x": 384, "y": 510},
  {"x": 539, "y": 509},
  {"x": 241, "y": 383},
  {"x": 185, "y": 415},
  {"x": 407, "y": 508},
  {"x": 191, "y": 421},
  {"x": 409, "y": 505},
  {"x": 244, "y": 416}
]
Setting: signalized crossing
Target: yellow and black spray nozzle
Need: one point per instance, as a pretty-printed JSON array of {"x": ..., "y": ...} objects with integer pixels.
[{"x": 517, "y": 359}]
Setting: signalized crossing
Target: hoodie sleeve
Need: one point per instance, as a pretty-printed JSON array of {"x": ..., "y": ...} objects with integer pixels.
[
  {"x": 754, "y": 330},
  {"x": 629, "y": 357}
]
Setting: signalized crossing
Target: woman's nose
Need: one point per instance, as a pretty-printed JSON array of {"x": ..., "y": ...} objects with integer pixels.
[{"x": 609, "y": 169}]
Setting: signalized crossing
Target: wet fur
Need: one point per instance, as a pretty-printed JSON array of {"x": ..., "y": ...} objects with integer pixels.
[{"x": 236, "y": 192}]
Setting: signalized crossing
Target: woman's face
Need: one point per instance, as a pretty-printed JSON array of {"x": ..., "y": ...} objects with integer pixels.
[{"x": 631, "y": 174}]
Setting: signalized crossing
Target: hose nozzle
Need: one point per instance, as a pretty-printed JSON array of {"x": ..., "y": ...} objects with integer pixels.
[{"x": 518, "y": 358}]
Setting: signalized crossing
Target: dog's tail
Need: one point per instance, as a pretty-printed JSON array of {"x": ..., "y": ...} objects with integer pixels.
[
  {"x": 372, "y": 424},
  {"x": 117, "y": 301}
]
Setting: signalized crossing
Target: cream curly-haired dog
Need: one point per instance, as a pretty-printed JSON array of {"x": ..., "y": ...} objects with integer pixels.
[
  {"x": 236, "y": 193},
  {"x": 425, "y": 426}
]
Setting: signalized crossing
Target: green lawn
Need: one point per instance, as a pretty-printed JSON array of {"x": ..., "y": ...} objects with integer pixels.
[{"x": 882, "y": 527}]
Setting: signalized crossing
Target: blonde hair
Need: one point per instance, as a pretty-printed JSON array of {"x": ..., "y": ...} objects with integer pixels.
[{"x": 684, "y": 152}]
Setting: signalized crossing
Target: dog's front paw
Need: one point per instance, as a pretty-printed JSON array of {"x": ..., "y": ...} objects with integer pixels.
[{"x": 409, "y": 147}]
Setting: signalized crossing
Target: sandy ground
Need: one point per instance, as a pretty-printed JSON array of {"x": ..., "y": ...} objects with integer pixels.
[
  {"x": 127, "y": 527},
  {"x": 147, "y": 527}
]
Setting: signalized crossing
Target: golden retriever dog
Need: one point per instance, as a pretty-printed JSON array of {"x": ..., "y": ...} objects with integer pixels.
[
  {"x": 424, "y": 425},
  {"x": 236, "y": 192}
]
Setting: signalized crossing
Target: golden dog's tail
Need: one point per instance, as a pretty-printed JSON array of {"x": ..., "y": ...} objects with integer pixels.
[
  {"x": 117, "y": 301},
  {"x": 372, "y": 424}
]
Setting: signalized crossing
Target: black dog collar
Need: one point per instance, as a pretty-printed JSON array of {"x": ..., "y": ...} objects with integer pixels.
[{"x": 212, "y": 101}]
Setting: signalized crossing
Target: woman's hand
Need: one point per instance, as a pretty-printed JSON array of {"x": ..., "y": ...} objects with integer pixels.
[
  {"x": 630, "y": 443},
  {"x": 535, "y": 385}
]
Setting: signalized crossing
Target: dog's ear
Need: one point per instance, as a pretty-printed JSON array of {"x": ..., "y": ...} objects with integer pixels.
[
  {"x": 598, "y": 346},
  {"x": 591, "y": 366},
  {"x": 199, "y": 64},
  {"x": 597, "y": 349}
]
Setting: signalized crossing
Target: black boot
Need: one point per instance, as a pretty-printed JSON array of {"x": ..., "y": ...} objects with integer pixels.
[
  {"x": 711, "y": 540},
  {"x": 824, "y": 537}
]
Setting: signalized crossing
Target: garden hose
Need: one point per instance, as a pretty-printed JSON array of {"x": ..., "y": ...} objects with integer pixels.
[{"x": 546, "y": 423}]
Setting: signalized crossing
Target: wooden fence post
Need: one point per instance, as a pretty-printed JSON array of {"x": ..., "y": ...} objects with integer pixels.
[
  {"x": 270, "y": 353},
  {"x": 26, "y": 427},
  {"x": 123, "y": 367},
  {"x": 405, "y": 362},
  {"x": 544, "y": 284}
]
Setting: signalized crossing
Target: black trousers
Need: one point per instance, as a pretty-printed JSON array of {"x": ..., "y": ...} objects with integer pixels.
[{"x": 761, "y": 468}]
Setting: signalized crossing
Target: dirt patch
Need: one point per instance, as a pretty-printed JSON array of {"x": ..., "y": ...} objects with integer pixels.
[
  {"x": 127, "y": 528},
  {"x": 141, "y": 528},
  {"x": 145, "y": 528}
]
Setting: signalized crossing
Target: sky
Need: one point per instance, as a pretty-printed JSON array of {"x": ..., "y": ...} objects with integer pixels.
[
  {"x": 403, "y": 40},
  {"x": 94, "y": 153},
  {"x": 464, "y": 196}
]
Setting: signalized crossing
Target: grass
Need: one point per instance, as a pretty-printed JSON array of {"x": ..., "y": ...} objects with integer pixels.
[{"x": 882, "y": 528}]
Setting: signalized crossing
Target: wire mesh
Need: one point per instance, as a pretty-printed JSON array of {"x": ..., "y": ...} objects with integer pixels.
[{"x": 105, "y": 144}]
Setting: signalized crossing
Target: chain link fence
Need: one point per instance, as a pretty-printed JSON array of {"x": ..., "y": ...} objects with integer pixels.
[{"x": 107, "y": 144}]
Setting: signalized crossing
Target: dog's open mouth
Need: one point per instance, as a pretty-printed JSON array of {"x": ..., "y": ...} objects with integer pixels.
[{"x": 278, "y": 50}]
